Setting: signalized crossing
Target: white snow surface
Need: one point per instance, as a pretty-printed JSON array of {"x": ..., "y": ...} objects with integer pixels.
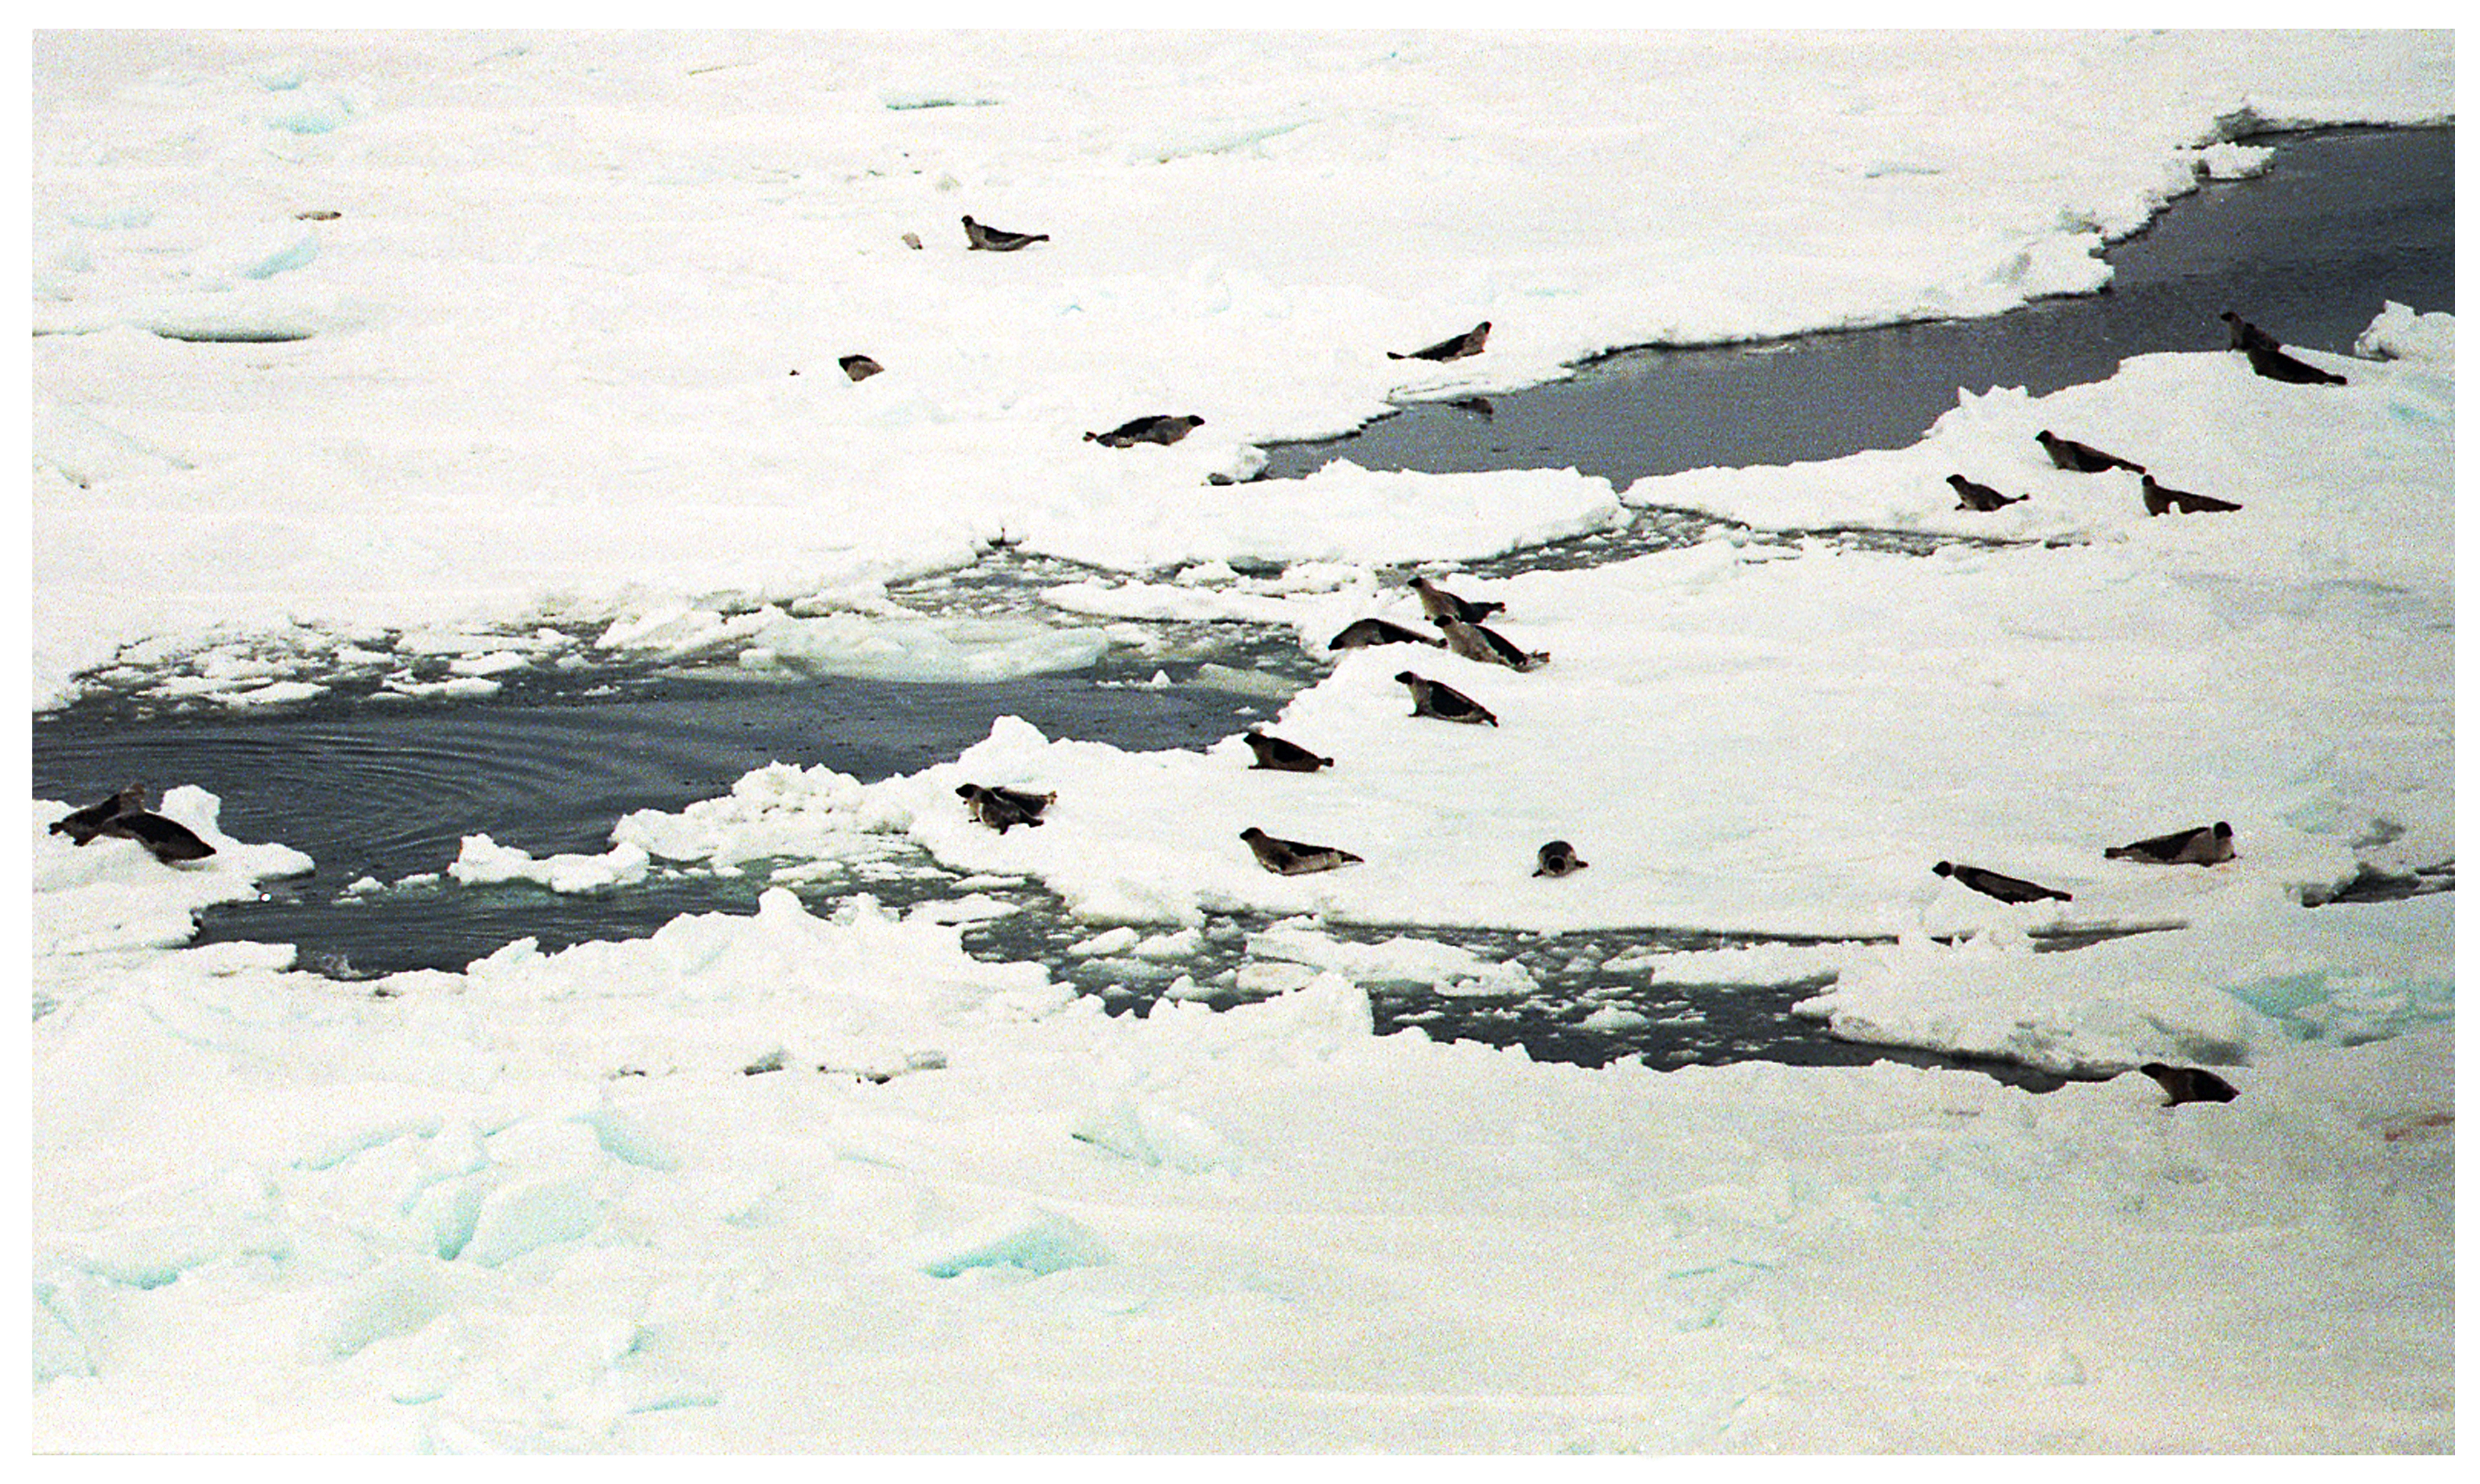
[
  {"x": 793, "y": 1183},
  {"x": 551, "y": 327},
  {"x": 820, "y": 1181}
]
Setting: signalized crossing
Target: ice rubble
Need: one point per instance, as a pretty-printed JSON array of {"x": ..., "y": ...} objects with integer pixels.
[
  {"x": 791, "y": 1182},
  {"x": 794, "y": 1182}
]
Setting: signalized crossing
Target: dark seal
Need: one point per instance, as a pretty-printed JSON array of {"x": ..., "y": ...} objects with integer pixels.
[
  {"x": 860, "y": 368},
  {"x": 83, "y": 825},
  {"x": 2204, "y": 845},
  {"x": 2189, "y": 1084},
  {"x": 2161, "y": 499},
  {"x": 1364, "y": 633},
  {"x": 1002, "y": 808},
  {"x": 1281, "y": 755},
  {"x": 2081, "y": 458},
  {"x": 1559, "y": 859},
  {"x": 1162, "y": 429},
  {"x": 2005, "y": 889},
  {"x": 1455, "y": 347}
]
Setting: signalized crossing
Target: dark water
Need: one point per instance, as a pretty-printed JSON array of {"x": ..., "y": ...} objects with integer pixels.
[
  {"x": 390, "y": 790},
  {"x": 2311, "y": 251},
  {"x": 387, "y": 789}
]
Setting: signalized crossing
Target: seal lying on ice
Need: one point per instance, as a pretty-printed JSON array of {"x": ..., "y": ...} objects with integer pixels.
[
  {"x": 1291, "y": 858},
  {"x": 1559, "y": 859},
  {"x": 1362, "y": 633},
  {"x": 1281, "y": 755},
  {"x": 81, "y": 825},
  {"x": 1438, "y": 603},
  {"x": 2005, "y": 889},
  {"x": 166, "y": 840},
  {"x": 2188, "y": 1083},
  {"x": 2280, "y": 366},
  {"x": 1454, "y": 348},
  {"x": 1430, "y": 698},
  {"x": 1489, "y": 647},
  {"x": 1001, "y": 807},
  {"x": 860, "y": 368},
  {"x": 2161, "y": 499},
  {"x": 2204, "y": 845},
  {"x": 1981, "y": 496},
  {"x": 1160, "y": 428},
  {"x": 2081, "y": 458},
  {"x": 993, "y": 239}
]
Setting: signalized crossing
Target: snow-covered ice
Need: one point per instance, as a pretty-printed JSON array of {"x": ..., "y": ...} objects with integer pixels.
[
  {"x": 816, "y": 1178},
  {"x": 551, "y": 328}
]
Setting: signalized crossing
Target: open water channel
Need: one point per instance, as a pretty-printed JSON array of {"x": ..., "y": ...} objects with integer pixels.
[{"x": 387, "y": 788}]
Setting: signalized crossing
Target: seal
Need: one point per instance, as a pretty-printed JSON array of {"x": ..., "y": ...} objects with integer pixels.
[
  {"x": 1430, "y": 698},
  {"x": 2279, "y": 366},
  {"x": 2161, "y": 499},
  {"x": 1291, "y": 858},
  {"x": 860, "y": 368},
  {"x": 1162, "y": 429},
  {"x": 1454, "y": 348},
  {"x": 993, "y": 239},
  {"x": 1362, "y": 633},
  {"x": 1559, "y": 859},
  {"x": 166, "y": 840},
  {"x": 1004, "y": 808},
  {"x": 1281, "y": 755},
  {"x": 2005, "y": 889},
  {"x": 83, "y": 825},
  {"x": 2247, "y": 336},
  {"x": 1490, "y": 647},
  {"x": 2204, "y": 845},
  {"x": 2081, "y": 458},
  {"x": 2189, "y": 1084},
  {"x": 1981, "y": 496},
  {"x": 1437, "y": 603}
]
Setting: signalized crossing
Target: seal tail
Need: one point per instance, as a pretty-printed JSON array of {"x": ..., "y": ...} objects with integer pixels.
[{"x": 2116, "y": 852}]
